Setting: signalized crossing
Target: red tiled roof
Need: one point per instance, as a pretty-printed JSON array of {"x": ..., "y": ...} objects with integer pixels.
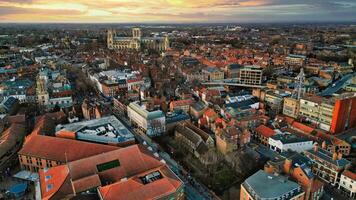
[
  {"x": 133, "y": 188},
  {"x": 265, "y": 131},
  {"x": 134, "y": 161},
  {"x": 302, "y": 127},
  {"x": 10, "y": 137},
  {"x": 134, "y": 80},
  {"x": 203, "y": 121},
  {"x": 209, "y": 113},
  {"x": 289, "y": 120},
  {"x": 182, "y": 102},
  {"x": 213, "y": 92},
  {"x": 218, "y": 120},
  {"x": 350, "y": 174},
  {"x": 57, "y": 149},
  {"x": 57, "y": 176}
]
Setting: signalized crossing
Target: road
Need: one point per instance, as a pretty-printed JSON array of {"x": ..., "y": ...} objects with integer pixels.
[
  {"x": 336, "y": 86},
  {"x": 193, "y": 189},
  {"x": 232, "y": 82}
]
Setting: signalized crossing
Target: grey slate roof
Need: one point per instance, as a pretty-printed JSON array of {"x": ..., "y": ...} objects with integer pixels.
[{"x": 272, "y": 186}]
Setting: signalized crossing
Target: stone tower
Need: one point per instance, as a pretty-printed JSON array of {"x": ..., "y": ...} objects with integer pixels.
[
  {"x": 136, "y": 33},
  {"x": 110, "y": 38},
  {"x": 41, "y": 90}
]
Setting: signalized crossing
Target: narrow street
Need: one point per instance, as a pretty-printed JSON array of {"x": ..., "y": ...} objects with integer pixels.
[{"x": 193, "y": 189}]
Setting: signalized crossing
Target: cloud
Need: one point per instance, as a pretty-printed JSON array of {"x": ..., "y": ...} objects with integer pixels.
[{"x": 177, "y": 10}]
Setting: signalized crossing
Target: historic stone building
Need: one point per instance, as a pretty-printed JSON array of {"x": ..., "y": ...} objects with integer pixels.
[{"x": 136, "y": 41}]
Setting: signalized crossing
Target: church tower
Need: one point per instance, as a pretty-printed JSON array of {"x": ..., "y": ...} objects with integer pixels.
[
  {"x": 110, "y": 38},
  {"x": 41, "y": 90},
  {"x": 136, "y": 33}
]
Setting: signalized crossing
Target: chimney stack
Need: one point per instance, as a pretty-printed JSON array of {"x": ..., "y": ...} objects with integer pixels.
[
  {"x": 323, "y": 145},
  {"x": 287, "y": 166},
  {"x": 339, "y": 156},
  {"x": 334, "y": 156}
]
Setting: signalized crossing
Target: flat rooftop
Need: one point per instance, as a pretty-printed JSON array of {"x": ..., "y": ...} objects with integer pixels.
[
  {"x": 109, "y": 129},
  {"x": 277, "y": 185}
]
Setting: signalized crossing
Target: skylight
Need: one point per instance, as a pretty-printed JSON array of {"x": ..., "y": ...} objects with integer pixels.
[
  {"x": 48, "y": 177},
  {"x": 151, "y": 177},
  {"x": 49, "y": 187},
  {"x": 108, "y": 165}
]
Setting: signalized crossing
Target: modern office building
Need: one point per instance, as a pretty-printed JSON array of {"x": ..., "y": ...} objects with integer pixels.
[
  {"x": 263, "y": 185},
  {"x": 250, "y": 75},
  {"x": 136, "y": 42},
  {"x": 335, "y": 114},
  {"x": 106, "y": 130},
  {"x": 274, "y": 99},
  {"x": 150, "y": 121}
]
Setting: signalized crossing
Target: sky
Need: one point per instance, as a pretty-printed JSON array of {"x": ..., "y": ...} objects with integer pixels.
[{"x": 177, "y": 11}]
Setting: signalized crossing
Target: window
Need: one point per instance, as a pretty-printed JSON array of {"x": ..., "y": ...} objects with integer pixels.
[
  {"x": 49, "y": 187},
  {"x": 48, "y": 177}
]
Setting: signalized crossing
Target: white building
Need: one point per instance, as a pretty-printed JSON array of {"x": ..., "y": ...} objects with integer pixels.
[
  {"x": 348, "y": 183},
  {"x": 131, "y": 77},
  {"x": 153, "y": 123},
  {"x": 286, "y": 141}
]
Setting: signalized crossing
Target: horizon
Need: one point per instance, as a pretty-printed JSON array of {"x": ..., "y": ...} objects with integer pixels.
[{"x": 177, "y": 11}]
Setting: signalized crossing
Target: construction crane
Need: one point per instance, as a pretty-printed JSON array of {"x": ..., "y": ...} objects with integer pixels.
[{"x": 298, "y": 89}]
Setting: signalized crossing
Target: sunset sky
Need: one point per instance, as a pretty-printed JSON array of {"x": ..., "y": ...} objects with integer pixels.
[{"x": 179, "y": 11}]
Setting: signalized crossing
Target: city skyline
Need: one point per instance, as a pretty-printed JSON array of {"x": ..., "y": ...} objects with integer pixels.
[{"x": 176, "y": 11}]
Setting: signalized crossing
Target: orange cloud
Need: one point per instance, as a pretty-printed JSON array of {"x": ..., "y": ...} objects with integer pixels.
[{"x": 163, "y": 10}]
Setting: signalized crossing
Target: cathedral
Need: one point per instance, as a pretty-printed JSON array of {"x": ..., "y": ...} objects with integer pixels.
[{"x": 136, "y": 41}]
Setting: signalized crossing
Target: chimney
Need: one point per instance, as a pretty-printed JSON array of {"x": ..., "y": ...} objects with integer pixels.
[
  {"x": 323, "y": 145},
  {"x": 334, "y": 156},
  {"x": 339, "y": 156},
  {"x": 315, "y": 147},
  {"x": 287, "y": 166}
]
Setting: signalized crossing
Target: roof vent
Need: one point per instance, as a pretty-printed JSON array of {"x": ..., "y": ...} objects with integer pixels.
[{"x": 270, "y": 177}]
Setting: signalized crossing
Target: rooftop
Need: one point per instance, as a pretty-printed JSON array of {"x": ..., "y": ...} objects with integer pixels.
[
  {"x": 60, "y": 149},
  {"x": 277, "y": 185},
  {"x": 141, "y": 109},
  {"x": 265, "y": 131},
  {"x": 288, "y": 138},
  {"x": 198, "y": 106},
  {"x": 128, "y": 173},
  {"x": 105, "y": 129},
  {"x": 328, "y": 157}
]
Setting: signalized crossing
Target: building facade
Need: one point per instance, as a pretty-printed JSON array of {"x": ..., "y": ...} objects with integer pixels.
[
  {"x": 151, "y": 122},
  {"x": 289, "y": 142},
  {"x": 136, "y": 42},
  {"x": 279, "y": 188},
  {"x": 335, "y": 114},
  {"x": 291, "y": 107},
  {"x": 327, "y": 166},
  {"x": 348, "y": 183},
  {"x": 250, "y": 75}
]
